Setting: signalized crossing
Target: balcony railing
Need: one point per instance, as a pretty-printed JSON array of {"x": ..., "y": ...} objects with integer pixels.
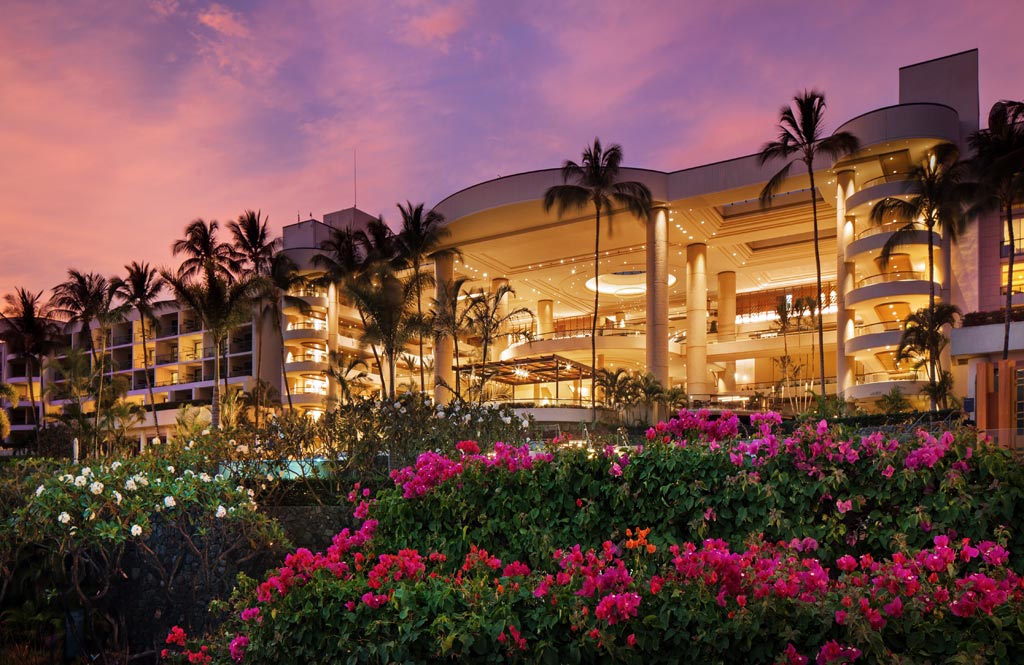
[
  {"x": 1004, "y": 247},
  {"x": 872, "y": 328},
  {"x": 884, "y": 277},
  {"x": 895, "y": 375},
  {"x": 888, "y": 227},
  {"x": 886, "y": 177}
]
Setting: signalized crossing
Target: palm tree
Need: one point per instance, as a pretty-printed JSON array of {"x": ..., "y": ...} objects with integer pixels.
[
  {"x": 255, "y": 250},
  {"x": 221, "y": 304},
  {"x": 82, "y": 299},
  {"x": 140, "y": 289},
  {"x": 922, "y": 341},
  {"x": 451, "y": 318},
  {"x": 348, "y": 375},
  {"x": 421, "y": 235},
  {"x": 939, "y": 197},
  {"x": 488, "y": 320},
  {"x": 201, "y": 248},
  {"x": 283, "y": 279},
  {"x": 593, "y": 182},
  {"x": 385, "y": 303},
  {"x": 999, "y": 154},
  {"x": 800, "y": 134},
  {"x": 30, "y": 332}
]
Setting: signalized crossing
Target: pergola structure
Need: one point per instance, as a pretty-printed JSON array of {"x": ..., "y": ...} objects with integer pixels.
[{"x": 531, "y": 370}]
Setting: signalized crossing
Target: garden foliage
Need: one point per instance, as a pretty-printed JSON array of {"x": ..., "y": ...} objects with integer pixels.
[{"x": 700, "y": 545}]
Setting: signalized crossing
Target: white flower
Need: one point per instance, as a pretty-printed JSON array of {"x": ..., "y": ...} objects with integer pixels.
[
  {"x": 155, "y": 441},
  {"x": 40, "y": 490},
  {"x": 144, "y": 480},
  {"x": 205, "y": 477},
  {"x": 96, "y": 487},
  {"x": 64, "y": 518},
  {"x": 67, "y": 478},
  {"x": 240, "y": 488},
  {"x": 270, "y": 476},
  {"x": 231, "y": 442},
  {"x": 170, "y": 469},
  {"x": 440, "y": 414},
  {"x": 251, "y": 493},
  {"x": 115, "y": 466},
  {"x": 117, "y": 497},
  {"x": 242, "y": 449},
  {"x": 189, "y": 473},
  {"x": 205, "y": 432},
  {"x": 130, "y": 485},
  {"x": 80, "y": 481},
  {"x": 221, "y": 511},
  {"x": 86, "y": 471},
  {"x": 136, "y": 530},
  {"x": 169, "y": 501}
]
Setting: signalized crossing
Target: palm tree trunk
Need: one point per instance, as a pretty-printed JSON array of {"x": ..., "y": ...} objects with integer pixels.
[
  {"x": 419, "y": 312},
  {"x": 258, "y": 331},
  {"x": 593, "y": 324},
  {"x": 97, "y": 364},
  {"x": 458, "y": 368},
  {"x": 1009, "y": 281},
  {"x": 215, "y": 402},
  {"x": 817, "y": 272},
  {"x": 284, "y": 374},
  {"x": 932, "y": 352},
  {"x": 483, "y": 365},
  {"x": 36, "y": 416},
  {"x": 149, "y": 384}
]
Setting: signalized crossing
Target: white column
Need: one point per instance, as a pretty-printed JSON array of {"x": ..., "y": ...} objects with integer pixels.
[
  {"x": 545, "y": 317},
  {"x": 657, "y": 294},
  {"x": 845, "y": 318},
  {"x": 444, "y": 270},
  {"x": 727, "y": 322},
  {"x": 697, "y": 321}
]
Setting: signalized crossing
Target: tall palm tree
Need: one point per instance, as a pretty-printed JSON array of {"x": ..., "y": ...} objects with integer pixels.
[
  {"x": 255, "y": 249},
  {"x": 221, "y": 304},
  {"x": 419, "y": 239},
  {"x": 997, "y": 164},
  {"x": 201, "y": 249},
  {"x": 385, "y": 302},
  {"x": 140, "y": 289},
  {"x": 452, "y": 312},
  {"x": 594, "y": 182},
  {"x": 283, "y": 279},
  {"x": 80, "y": 300},
  {"x": 940, "y": 194},
  {"x": 801, "y": 134},
  {"x": 487, "y": 319},
  {"x": 31, "y": 332}
]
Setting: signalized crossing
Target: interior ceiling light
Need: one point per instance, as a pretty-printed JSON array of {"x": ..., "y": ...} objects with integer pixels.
[{"x": 623, "y": 283}]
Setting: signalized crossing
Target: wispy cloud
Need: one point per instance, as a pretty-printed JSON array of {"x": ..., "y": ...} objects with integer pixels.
[{"x": 221, "y": 19}]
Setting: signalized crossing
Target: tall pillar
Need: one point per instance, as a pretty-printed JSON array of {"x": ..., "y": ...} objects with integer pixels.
[
  {"x": 697, "y": 321},
  {"x": 727, "y": 322},
  {"x": 444, "y": 271},
  {"x": 545, "y": 317},
  {"x": 657, "y": 294},
  {"x": 845, "y": 318}
]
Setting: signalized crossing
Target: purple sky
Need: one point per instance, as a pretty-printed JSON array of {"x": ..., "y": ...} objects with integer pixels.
[{"x": 120, "y": 122}]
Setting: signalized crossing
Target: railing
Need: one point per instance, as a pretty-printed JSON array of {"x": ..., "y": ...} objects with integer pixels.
[
  {"x": 309, "y": 293},
  {"x": 888, "y": 227},
  {"x": 884, "y": 277},
  {"x": 302, "y": 390},
  {"x": 872, "y": 328},
  {"x": 309, "y": 357},
  {"x": 900, "y": 375},
  {"x": 312, "y": 324},
  {"x": 1004, "y": 247},
  {"x": 887, "y": 177},
  {"x": 118, "y": 340}
]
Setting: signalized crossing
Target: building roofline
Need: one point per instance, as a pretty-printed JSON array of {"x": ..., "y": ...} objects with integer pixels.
[{"x": 941, "y": 57}]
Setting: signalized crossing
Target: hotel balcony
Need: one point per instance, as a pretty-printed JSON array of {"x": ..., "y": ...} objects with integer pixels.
[
  {"x": 308, "y": 329},
  {"x": 306, "y": 363}
]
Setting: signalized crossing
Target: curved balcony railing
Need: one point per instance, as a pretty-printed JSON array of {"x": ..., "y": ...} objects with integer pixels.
[
  {"x": 888, "y": 227},
  {"x": 895, "y": 375},
  {"x": 884, "y": 277},
  {"x": 874, "y": 328},
  {"x": 885, "y": 177}
]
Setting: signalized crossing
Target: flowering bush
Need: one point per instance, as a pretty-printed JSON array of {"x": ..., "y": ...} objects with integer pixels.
[
  {"x": 707, "y": 546},
  {"x": 80, "y": 524}
]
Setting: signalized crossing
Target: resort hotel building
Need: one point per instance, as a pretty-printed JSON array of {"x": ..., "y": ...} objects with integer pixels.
[{"x": 710, "y": 293}]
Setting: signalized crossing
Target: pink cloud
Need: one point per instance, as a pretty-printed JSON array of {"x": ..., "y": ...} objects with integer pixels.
[
  {"x": 437, "y": 25},
  {"x": 223, "y": 20}
]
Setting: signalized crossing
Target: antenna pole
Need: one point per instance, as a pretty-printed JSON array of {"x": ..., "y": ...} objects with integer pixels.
[{"x": 355, "y": 179}]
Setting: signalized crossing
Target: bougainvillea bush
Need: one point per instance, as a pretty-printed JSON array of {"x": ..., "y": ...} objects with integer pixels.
[{"x": 702, "y": 545}]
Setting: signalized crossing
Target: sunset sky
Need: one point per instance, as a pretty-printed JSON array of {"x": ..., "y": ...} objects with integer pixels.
[{"x": 122, "y": 121}]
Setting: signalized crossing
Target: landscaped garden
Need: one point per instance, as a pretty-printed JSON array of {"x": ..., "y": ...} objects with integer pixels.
[{"x": 715, "y": 539}]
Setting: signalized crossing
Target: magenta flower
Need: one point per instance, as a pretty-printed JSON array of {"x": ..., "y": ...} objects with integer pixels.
[{"x": 844, "y": 506}]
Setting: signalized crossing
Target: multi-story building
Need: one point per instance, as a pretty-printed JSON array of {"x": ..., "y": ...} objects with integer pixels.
[{"x": 693, "y": 294}]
